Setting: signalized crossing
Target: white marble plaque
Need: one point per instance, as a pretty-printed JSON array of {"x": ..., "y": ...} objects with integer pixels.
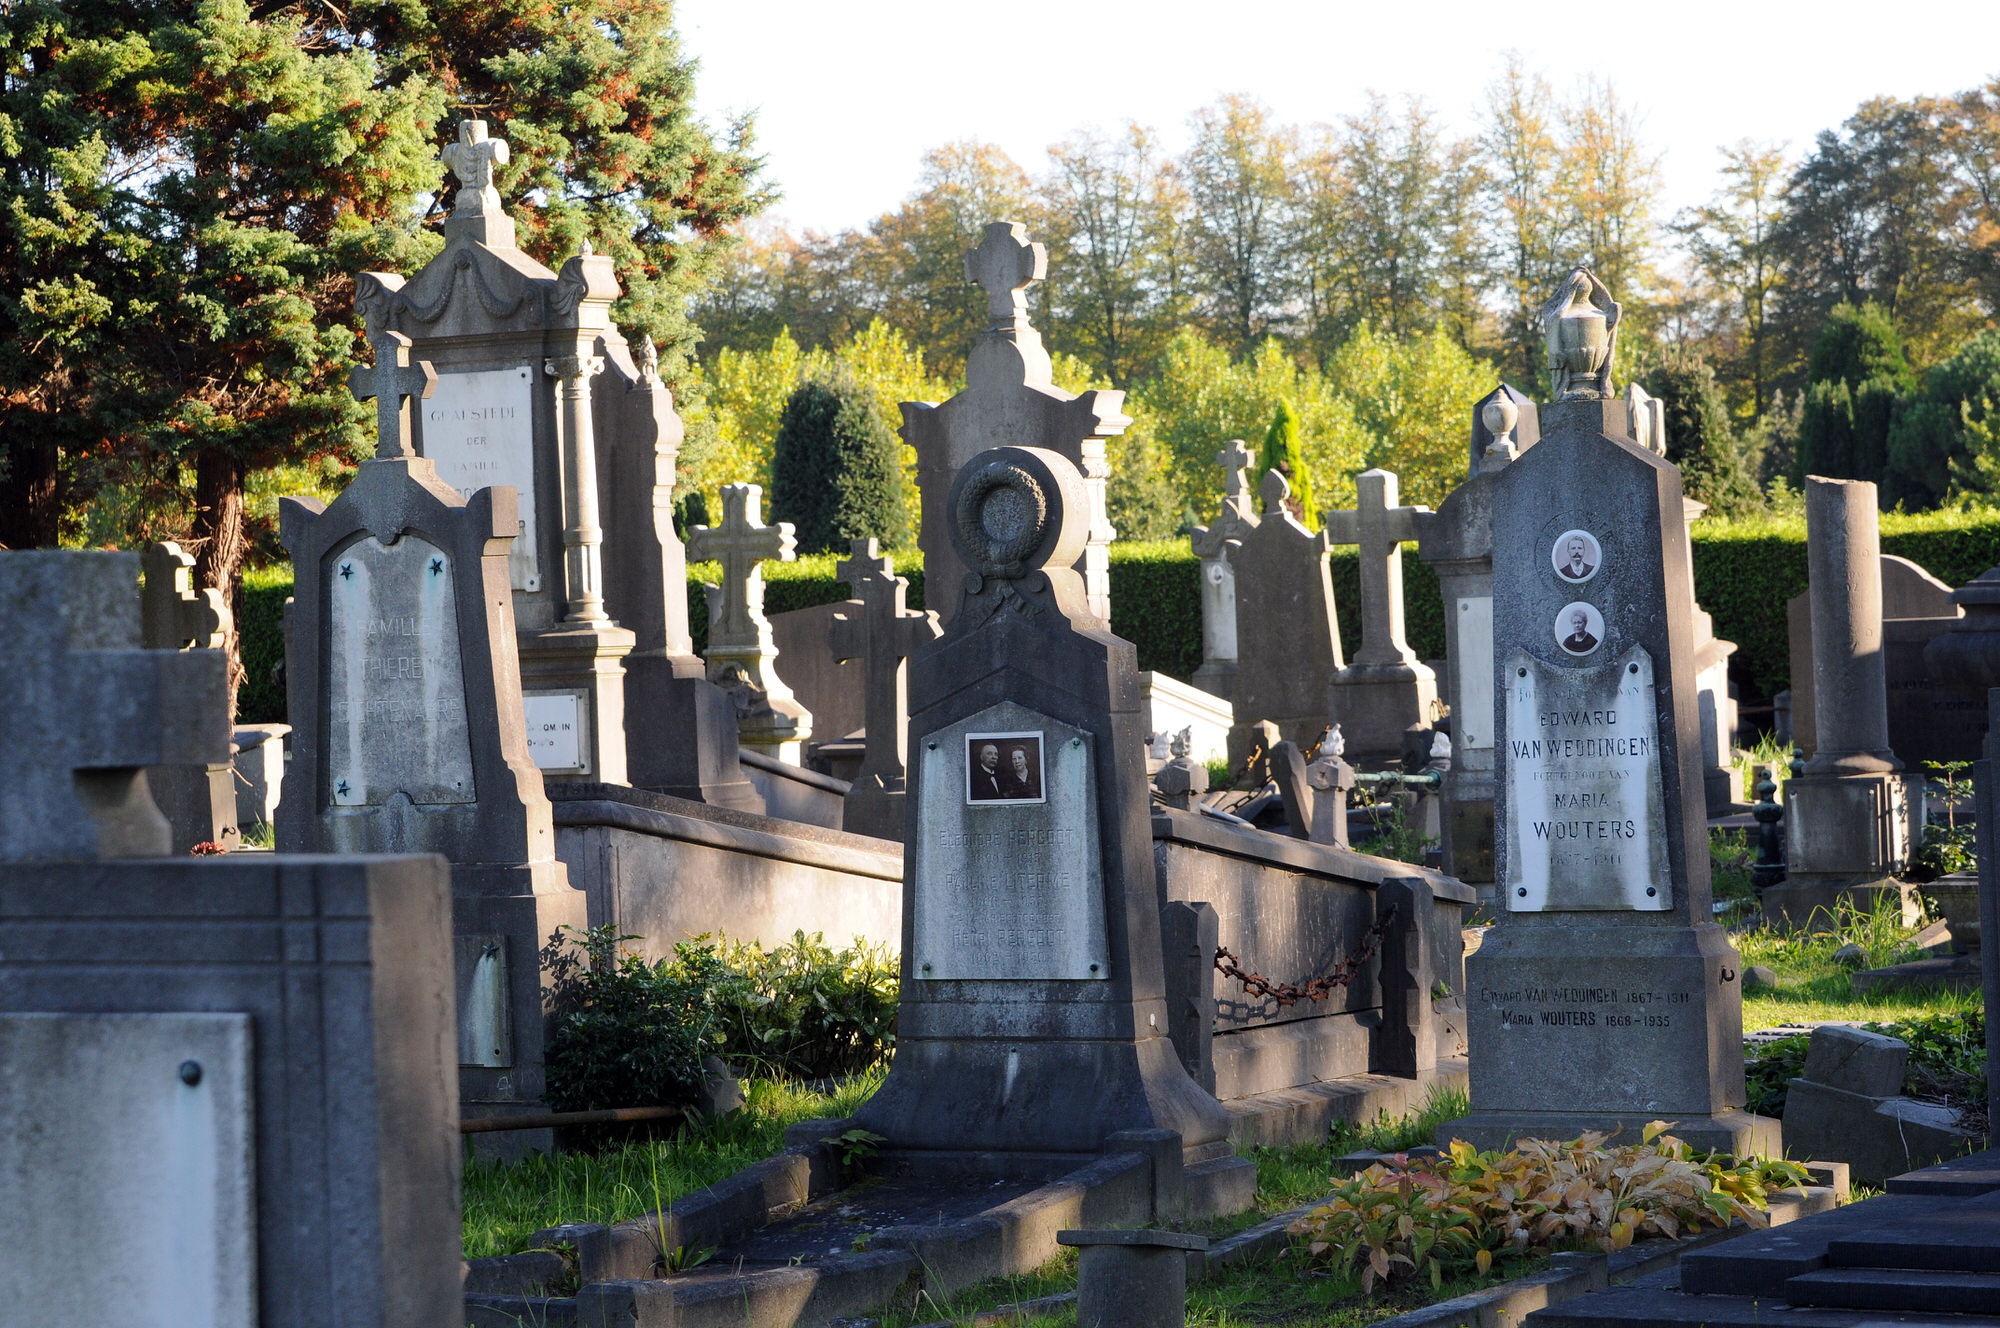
[
  {"x": 555, "y": 730},
  {"x": 479, "y": 430},
  {"x": 1473, "y": 720},
  {"x": 1005, "y": 888},
  {"x": 1586, "y": 818},
  {"x": 127, "y": 1161},
  {"x": 395, "y": 684}
]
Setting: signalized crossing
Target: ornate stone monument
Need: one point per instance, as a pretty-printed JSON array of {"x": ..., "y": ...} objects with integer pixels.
[
  {"x": 1288, "y": 646},
  {"x": 527, "y": 361},
  {"x": 882, "y": 634},
  {"x": 1217, "y": 674},
  {"x": 1606, "y": 995},
  {"x": 1010, "y": 398},
  {"x": 1034, "y": 1011},
  {"x": 741, "y": 653},
  {"x": 1385, "y": 689},
  {"x": 407, "y": 727},
  {"x": 1457, "y": 543}
]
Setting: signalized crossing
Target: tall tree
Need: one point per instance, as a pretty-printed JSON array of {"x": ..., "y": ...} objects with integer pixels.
[
  {"x": 1108, "y": 202},
  {"x": 1729, "y": 239},
  {"x": 1700, "y": 437},
  {"x": 1520, "y": 159},
  {"x": 1284, "y": 453},
  {"x": 836, "y": 472},
  {"x": 1239, "y": 192},
  {"x": 1607, "y": 181}
]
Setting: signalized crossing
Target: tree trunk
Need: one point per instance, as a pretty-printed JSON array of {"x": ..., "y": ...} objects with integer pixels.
[
  {"x": 219, "y": 545},
  {"x": 31, "y": 493}
]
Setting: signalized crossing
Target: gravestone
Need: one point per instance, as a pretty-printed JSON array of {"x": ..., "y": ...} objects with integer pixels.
[
  {"x": 741, "y": 654},
  {"x": 523, "y": 358},
  {"x": 1034, "y": 1017},
  {"x": 1217, "y": 673},
  {"x": 1010, "y": 398},
  {"x": 1849, "y": 820},
  {"x": 222, "y": 1101},
  {"x": 883, "y": 633},
  {"x": 1722, "y": 783},
  {"x": 199, "y": 801},
  {"x": 1384, "y": 690},
  {"x": 1288, "y": 648},
  {"x": 408, "y": 730},
  {"x": 1646, "y": 417},
  {"x": 1457, "y": 543},
  {"x": 1605, "y": 995}
]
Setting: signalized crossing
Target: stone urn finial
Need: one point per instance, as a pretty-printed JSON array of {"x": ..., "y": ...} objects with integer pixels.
[{"x": 1581, "y": 322}]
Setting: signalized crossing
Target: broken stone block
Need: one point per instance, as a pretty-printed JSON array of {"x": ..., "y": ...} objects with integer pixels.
[{"x": 1856, "y": 1061}]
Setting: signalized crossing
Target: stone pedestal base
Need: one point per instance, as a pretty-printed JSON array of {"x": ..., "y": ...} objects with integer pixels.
[
  {"x": 1860, "y": 827},
  {"x": 1217, "y": 677},
  {"x": 1375, "y": 703},
  {"x": 875, "y": 808},
  {"x": 584, "y": 661},
  {"x": 500, "y": 920},
  {"x": 199, "y": 802},
  {"x": 682, "y": 741},
  {"x": 1722, "y": 790},
  {"x": 1813, "y": 902},
  {"x": 1735, "y": 1132}
]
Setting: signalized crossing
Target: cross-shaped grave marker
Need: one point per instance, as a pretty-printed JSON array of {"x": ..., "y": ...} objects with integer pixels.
[
  {"x": 741, "y": 652},
  {"x": 176, "y": 615},
  {"x": 472, "y": 159},
  {"x": 391, "y": 381},
  {"x": 883, "y": 634},
  {"x": 1235, "y": 460},
  {"x": 1379, "y": 527},
  {"x": 1005, "y": 264}
]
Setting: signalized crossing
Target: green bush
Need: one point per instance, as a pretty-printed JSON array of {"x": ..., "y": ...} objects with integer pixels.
[
  {"x": 805, "y": 1010},
  {"x": 836, "y": 467},
  {"x": 627, "y": 1033},
  {"x": 260, "y": 626}
]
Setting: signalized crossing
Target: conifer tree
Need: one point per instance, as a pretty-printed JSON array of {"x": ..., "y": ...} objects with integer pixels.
[
  {"x": 1284, "y": 453},
  {"x": 836, "y": 469},
  {"x": 1700, "y": 439}
]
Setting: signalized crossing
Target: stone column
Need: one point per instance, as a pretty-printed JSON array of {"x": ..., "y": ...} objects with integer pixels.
[
  {"x": 1850, "y": 686},
  {"x": 583, "y": 536}
]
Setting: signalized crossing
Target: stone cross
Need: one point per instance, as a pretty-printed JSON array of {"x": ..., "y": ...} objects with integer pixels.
[
  {"x": 741, "y": 651},
  {"x": 472, "y": 159},
  {"x": 175, "y": 614},
  {"x": 1005, "y": 264},
  {"x": 391, "y": 381},
  {"x": 1379, "y": 527},
  {"x": 884, "y": 634},
  {"x": 1235, "y": 460}
]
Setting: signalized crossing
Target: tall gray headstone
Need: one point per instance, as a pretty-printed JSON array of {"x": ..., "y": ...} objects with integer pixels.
[
  {"x": 1457, "y": 543},
  {"x": 1385, "y": 689},
  {"x": 1034, "y": 1017},
  {"x": 1606, "y": 995},
  {"x": 1849, "y": 819},
  {"x": 199, "y": 801},
  {"x": 882, "y": 633},
  {"x": 230, "y": 1073},
  {"x": 408, "y": 728},
  {"x": 1288, "y": 647},
  {"x": 1217, "y": 674},
  {"x": 527, "y": 360},
  {"x": 1010, "y": 398}
]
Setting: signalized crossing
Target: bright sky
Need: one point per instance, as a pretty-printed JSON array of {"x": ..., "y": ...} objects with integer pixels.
[{"x": 849, "y": 96}]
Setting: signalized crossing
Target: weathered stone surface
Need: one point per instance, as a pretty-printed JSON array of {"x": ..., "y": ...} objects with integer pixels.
[
  {"x": 1878, "y": 1137},
  {"x": 1856, "y": 1061},
  {"x": 741, "y": 653},
  {"x": 1217, "y": 673}
]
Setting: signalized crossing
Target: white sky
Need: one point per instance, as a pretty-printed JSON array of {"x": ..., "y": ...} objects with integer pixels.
[{"x": 849, "y": 96}]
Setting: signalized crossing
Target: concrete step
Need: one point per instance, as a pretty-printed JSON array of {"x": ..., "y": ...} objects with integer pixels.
[
  {"x": 1221, "y": 1186},
  {"x": 1902, "y": 1289},
  {"x": 1968, "y": 1242}
]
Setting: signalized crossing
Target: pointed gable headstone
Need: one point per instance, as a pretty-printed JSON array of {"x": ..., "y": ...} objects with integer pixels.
[
  {"x": 1288, "y": 646},
  {"x": 1010, "y": 398},
  {"x": 883, "y": 633},
  {"x": 1217, "y": 674},
  {"x": 741, "y": 652},
  {"x": 408, "y": 734},
  {"x": 1386, "y": 688}
]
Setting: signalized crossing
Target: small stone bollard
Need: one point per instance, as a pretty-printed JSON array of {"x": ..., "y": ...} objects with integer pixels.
[
  {"x": 1131, "y": 1279},
  {"x": 1769, "y": 868}
]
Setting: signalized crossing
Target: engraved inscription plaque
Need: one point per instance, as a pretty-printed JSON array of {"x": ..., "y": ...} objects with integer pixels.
[
  {"x": 555, "y": 731},
  {"x": 1586, "y": 820},
  {"x": 479, "y": 430},
  {"x": 1007, "y": 889},
  {"x": 395, "y": 684}
]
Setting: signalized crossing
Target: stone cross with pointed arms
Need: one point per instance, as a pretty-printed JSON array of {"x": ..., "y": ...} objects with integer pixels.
[
  {"x": 472, "y": 160},
  {"x": 1379, "y": 527},
  {"x": 884, "y": 634},
  {"x": 391, "y": 381},
  {"x": 1005, "y": 264},
  {"x": 742, "y": 655},
  {"x": 1235, "y": 461}
]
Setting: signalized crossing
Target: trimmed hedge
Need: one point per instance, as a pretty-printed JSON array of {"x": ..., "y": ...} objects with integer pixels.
[{"x": 1744, "y": 571}]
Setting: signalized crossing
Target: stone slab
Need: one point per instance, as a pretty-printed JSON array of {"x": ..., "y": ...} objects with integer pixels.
[
  {"x": 1951, "y": 972},
  {"x": 1964, "y": 1239},
  {"x": 1896, "y": 1289},
  {"x": 1760, "y": 1262},
  {"x": 1655, "y": 1302},
  {"x": 1963, "y": 1177},
  {"x": 129, "y": 1133},
  {"x": 1877, "y": 1137},
  {"x": 1856, "y": 1061},
  {"x": 478, "y": 429}
]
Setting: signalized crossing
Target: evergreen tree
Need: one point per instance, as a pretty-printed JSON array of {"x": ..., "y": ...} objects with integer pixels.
[
  {"x": 1941, "y": 435},
  {"x": 836, "y": 467},
  {"x": 1284, "y": 454},
  {"x": 1700, "y": 439},
  {"x": 1856, "y": 373}
]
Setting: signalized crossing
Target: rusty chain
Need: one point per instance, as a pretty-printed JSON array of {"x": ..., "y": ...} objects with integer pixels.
[{"x": 1291, "y": 993}]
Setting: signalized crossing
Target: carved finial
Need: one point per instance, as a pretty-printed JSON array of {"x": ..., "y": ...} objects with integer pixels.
[
  {"x": 649, "y": 360},
  {"x": 1273, "y": 490},
  {"x": 1005, "y": 264},
  {"x": 1235, "y": 460},
  {"x": 390, "y": 382},
  {"x": 1499, "y": 415},
  {"x": 472, "y": 159},
  {"x": 1581, "y": 323}
]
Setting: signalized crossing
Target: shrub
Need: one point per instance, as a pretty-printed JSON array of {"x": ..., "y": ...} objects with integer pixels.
[
  {"x": 627, "y": 1033},
  {"x": 805, "y": 1010},
  {"x": 836, "y": 467},
  {"x": 1284, "y": 454},
  {"x": 1469, "y": 1208},
  {"x": 1699, "y": 437}
]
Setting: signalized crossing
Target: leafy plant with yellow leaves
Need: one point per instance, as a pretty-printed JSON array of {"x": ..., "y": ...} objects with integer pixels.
[{"x": 1468, "y": 1208}]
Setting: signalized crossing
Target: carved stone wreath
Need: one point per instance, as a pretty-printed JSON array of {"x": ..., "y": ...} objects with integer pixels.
[{"x": 1003, "y": 516}]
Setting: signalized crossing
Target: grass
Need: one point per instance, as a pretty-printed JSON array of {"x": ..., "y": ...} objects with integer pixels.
[
  {"x": 505, "y": 1203},
  {"x": 1813, "y": 985}
]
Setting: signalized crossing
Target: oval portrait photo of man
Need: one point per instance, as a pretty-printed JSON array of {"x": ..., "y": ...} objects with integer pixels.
[
  {"x": 1003, "y": 768},
  {"x": 1579, "y": 628},
  {"x": 1576, "y": 556}
]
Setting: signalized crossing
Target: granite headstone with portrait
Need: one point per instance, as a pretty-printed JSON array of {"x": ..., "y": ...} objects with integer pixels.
[
  {"x": 1034, "y": 1015},
  {"x": 1606, "y": 996}
]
